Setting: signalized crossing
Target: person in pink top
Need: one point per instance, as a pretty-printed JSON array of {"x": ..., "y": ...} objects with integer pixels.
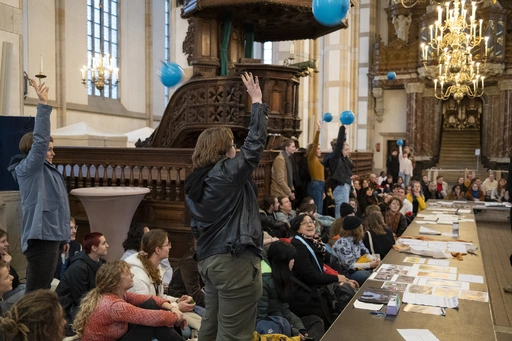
[{"x": 109, "y": 312}]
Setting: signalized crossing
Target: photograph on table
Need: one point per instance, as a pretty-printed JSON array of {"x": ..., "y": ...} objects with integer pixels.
[
  {"x": 394, "y": 286},
  {"x": 420, "y": 289},
  {"x": 446, "y": 292},
  {"x": 480, "y": 296}
]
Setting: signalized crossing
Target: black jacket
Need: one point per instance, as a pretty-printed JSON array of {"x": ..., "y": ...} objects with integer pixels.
[
  {"x": 340, "y": 166},
  {"x": 186, "y": 280},
  {"x": 381, "y": 243},
  {"x": 225, "y": 214},
  {"x": 77, "y": 280}
]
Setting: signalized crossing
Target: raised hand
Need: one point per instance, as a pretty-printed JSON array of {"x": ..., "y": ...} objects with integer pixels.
[
  {"x": 41, "y": 91},
  {"x": 253, "y": 86}
]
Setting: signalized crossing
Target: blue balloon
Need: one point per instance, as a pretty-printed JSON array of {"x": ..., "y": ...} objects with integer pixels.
[
  {"x": 330, "y": 12},
  {"x": 391, "y": 75},
  {"x": 400, "y": 143},
  {"x": 327, "y": 117},
  {"x": 171, "y": 74},
  {"x": 347, "y": 117}
]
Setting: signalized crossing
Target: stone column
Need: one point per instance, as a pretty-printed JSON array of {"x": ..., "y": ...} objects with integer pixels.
[
  {"x": 414, "y": 116},
  {"x": 505, "y": 86}
]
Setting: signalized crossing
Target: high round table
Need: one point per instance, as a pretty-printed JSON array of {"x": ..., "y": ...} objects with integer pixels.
[{"x": 110, "y": 211}]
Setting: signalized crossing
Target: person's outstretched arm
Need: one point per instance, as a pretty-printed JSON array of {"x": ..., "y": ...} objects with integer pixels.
[
  {"x": 244, "y": 163},
  {"x": 37, "y": 154}
]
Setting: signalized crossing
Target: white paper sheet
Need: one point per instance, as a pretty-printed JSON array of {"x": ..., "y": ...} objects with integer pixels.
[
  {"x": 442, "y": 283},
  {"x": 448, "y": 234},
  {"x": 426, "y": 230},
  {"x": 367, "y": 306},
  {"x": 439, "y": 262},
  {"x": 430, "y": 300},
  {"x": 471, "y": 278},
  {"x": 415, "y": 260},
  {"x": 464, "y": 211},
  {"x": 417, "y": 335}
]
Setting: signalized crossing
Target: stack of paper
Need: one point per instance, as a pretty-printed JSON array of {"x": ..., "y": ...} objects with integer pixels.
[{"x": 426, "y": 230}]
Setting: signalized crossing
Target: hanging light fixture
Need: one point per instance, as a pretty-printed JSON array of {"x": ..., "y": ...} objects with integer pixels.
[
  {"x": 101, "y": 71},
  {"x": 412, "y": 3},
  {"x": 452, "y": 41}
]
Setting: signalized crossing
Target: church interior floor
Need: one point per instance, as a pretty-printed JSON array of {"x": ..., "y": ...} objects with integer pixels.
[{"x": 495, "y": 238}]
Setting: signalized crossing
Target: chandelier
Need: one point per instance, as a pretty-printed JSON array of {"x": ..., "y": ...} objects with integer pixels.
[
  {"x": 452, "y": 43},
  {"x": 412, "y": 3},
  {"x": 102, "y": 70}
]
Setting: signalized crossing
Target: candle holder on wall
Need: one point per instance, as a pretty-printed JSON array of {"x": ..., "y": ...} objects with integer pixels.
[{"x": 40, "y": 76}]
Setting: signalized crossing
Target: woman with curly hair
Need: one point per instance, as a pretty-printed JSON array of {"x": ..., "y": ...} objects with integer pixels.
[
  {"x": 27, "y": 321},
  {"x": 110, "y": 312}
]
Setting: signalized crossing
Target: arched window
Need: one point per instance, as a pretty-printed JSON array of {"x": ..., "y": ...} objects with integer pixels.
[{"x": 103, "y": 38}]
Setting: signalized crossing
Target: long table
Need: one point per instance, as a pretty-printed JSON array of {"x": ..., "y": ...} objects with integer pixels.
[{"x": 470, "y": 321}]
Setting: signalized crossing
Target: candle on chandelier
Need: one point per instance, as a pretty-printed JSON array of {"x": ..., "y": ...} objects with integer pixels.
[
  {"x": 447, "y": 10},
  {"x": 435, "y": 85},
  {"x": 292, "y": 49},
  {"x": 473, "y": 9},
  {"x": 480, "y": 29},
  {"x": 439, "y": 13},
  {"x": 431, "y": 32},
  {"x": 84, "y": 70},
  {"x": 482, "y": 82},
  {"x": 440, "y": 68},
  {"x": 486, "y": 40}
]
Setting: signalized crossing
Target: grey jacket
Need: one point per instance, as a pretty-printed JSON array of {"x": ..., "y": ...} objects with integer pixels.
[{"x": 44, "y": 198}]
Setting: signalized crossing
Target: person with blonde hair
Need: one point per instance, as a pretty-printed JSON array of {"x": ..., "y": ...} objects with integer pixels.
[
  {"x": 379, "y": 238},
  {"x": 37, "y": 316},
  {"x": 226, "y": 225},
  {"x": 148, "y": 273},
  {"x": 110, "y": 312}
]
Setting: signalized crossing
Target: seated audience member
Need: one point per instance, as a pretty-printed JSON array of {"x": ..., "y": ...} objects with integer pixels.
[
  {"x": 110, "y": 312},
  {"x": 475, "y": 193},
  {"x": 499, "y": 194},
  {"x": 80, "y": 276},
  {"x": 489, "y": 185},
  {"x": 387, "y": 184},
  {"x": 67, "y": 253},
  {"x": 460, "y": 181},
  {"x": 367, "y": 199},
  {"x": 441, "y": 187},
  {"x": 278, "y": 291},
  {"x": 269, "y": 222},
  {"x": 311, "y": 210},
  {"x": 394, "y": 219},
  {"x": 416, "y": 198},
  {"x": 467, "y": 182},
  {"x": 309, "y": 268},
  {"x": 5, "y": 286},
  {"x": 187, "y": 279},
  {"x": 379, "y": 235},
  {"x": 456, "y": 193},
  {"x": 383, "y": 205},
  {"x": 357, "y": 188},
  {"x": 18, "y": 289},
  {"x": 329, "y": 204},
  {"x": 148, "y": 274},
  {"x": 432, "y": 192},
  {"x": 424, "y": 184},
  {"x": 286, "y": 212},
  {"x": 37, "y": 316},
  {"x": 355, "y": 205},
  {"x": 345, "y": 210},
  {"x": 400, "y": 181},
  {"x": 131, "y": 245},
  {"x": 383, "y": 177},
  {"x": 349, "y": 248},
  {"x": 399, "y": 192}
]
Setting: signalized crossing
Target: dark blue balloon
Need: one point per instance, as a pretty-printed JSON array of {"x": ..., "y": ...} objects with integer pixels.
[
  {"x": 327, "y": 117},
  {"x": 347, "y": 117},
  {"x": 391, "y": 75},
  {"x": 400, "y": 143},
  {"x": 330, "y": 12},
  {"x": 171, "y": 74}
]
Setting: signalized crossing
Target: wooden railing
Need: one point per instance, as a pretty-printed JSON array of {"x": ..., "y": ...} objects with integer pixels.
[{"x": 161, "y": 170}]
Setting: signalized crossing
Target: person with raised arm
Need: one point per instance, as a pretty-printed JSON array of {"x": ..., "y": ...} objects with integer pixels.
[
  {"x": 44, "y": 198},
  {"x": 226, "y": 225}
]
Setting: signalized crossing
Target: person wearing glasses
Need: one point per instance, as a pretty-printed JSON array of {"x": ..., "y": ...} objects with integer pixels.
[
  {"x": 67, "y": 253},
  {"x": 148, "y": 274},
  {"x": 309, "y": 268},
  {"x": 80, "y": 276},
  {"x": 226, "y": 225}
]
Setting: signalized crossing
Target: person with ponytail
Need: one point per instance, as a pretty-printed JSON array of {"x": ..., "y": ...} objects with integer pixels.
[
  {"x": 27, "y": 321},
  {"x": 148, "y": 274},
  {"x": 110, "y": 312},
  {"x": 277, "y": 291}
]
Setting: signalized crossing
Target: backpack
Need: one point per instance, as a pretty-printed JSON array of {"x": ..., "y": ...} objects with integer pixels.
[{"x": 274, "y": 325}]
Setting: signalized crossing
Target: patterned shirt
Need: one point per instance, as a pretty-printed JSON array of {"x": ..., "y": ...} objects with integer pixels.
[{"x": 346, "y": 252}]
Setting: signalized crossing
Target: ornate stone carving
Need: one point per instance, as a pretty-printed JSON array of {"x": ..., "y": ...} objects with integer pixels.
[
  {"x": 188, "y": 43},
  {"x": 402, "y": 24},
  {"x": 379, "y": 103}
]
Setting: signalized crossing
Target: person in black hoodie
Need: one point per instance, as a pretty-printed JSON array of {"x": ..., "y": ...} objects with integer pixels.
[
  {"x": 80, "y": 276},
  {"x": 393, "y": 165},
  {"x": 226, "y": 225}
]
